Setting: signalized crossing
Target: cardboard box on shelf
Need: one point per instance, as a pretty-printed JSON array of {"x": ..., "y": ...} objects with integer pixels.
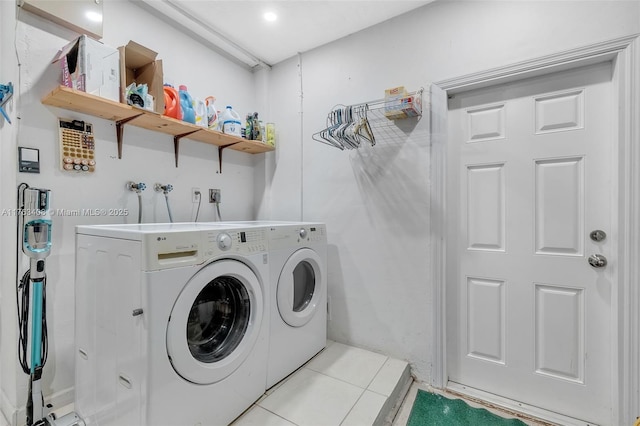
[
  {"x": 392, "y": 102},
  {"x": 139, "y": 65},
  {"x": 411, "y": 105},
  {"x": 90, "y": 66}
]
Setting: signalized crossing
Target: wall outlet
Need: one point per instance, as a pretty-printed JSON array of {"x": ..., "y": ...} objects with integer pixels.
[
  {"x": 195, "y": 195},
  {"x": 215, "y": 195}
]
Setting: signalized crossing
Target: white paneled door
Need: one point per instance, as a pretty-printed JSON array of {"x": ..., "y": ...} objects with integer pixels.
[{"x": 531, "y": 176}]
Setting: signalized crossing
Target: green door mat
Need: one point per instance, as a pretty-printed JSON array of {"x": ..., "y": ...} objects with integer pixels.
[{"x": 435, "y": 410}]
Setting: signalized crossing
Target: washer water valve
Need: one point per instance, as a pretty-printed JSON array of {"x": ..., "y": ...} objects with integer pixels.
[
  {"x": 137, "y": 187},
  {"x": 215, "y": 196},
  {"x": 163, "y": 188}
]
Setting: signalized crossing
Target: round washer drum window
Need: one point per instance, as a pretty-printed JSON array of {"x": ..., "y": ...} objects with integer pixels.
[
  {"x": 304, "y": 284},
  {"x": 218, "y": 319},
  {"x": 300, "y": 288}
]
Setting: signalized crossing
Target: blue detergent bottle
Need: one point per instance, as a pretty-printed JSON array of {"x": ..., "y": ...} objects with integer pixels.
[{"x": 186, "y": 105}]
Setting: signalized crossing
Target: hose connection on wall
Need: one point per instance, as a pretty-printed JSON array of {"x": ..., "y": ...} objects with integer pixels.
[
  {"x": 137, "y": 188},
  {"x": 197, "y": 193},
  {"x": 215, "y": 196},
  {"x": 165, "y": 189}
]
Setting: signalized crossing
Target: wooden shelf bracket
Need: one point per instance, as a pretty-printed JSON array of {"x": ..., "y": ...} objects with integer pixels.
[
  {"x": 220, "y": 148},
  {"x": 176, "y": 143},
  {"x": 120, "y": 130}
]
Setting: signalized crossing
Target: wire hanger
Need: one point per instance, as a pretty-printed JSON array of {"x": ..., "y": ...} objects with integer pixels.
[{"x": 346, "y": 127}]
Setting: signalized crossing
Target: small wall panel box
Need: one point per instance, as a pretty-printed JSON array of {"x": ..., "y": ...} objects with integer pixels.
[{"x": 81, "y": 16}]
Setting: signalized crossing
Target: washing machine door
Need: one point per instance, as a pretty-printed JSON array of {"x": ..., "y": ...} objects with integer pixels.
[
  {"x": 215, "y": 322},
  {"x": 300, "y": 287}
]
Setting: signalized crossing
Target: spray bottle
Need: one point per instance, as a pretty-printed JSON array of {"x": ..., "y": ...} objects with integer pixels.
[
  {"x": 248, "y": 127},
  {"x": 256, "y": 133},
  {"x": 212, "y": 113}
]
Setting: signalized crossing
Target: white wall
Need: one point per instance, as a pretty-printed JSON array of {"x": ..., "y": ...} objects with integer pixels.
[
  {"x": 375, "y": 201},
  {"x": 7, "y": 231},
  {"x": 283, "y": 167},
  {"x": 147, "y": 157}
]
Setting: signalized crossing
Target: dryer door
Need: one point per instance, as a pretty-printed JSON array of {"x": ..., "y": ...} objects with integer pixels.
[
  {"x": 215, "y": 322},
  {"x": 300, "y": 287}
]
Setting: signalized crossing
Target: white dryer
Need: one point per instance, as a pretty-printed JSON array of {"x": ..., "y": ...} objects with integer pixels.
[
  {"x": 298, "y": 301},
  {"x": 171, "y": 323}
]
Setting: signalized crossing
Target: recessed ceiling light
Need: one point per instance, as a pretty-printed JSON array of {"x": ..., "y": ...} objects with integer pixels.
[
  {"x": 94, "y": 16},
  {"x": 270, "y": 16}
]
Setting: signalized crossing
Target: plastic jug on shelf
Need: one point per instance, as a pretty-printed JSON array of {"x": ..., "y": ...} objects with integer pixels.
[
  {"x": 212, "y": 113},
  {"x": 230, "y": 122},
  {"x": 186, "y": 104},
  {"x": 201, "y": 113},
  {"x": 172, "y": 102},
  {"x": 271, "y": 134}
]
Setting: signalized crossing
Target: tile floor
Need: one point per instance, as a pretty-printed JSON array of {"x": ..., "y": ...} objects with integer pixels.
[{"x": 341, "y": 386}]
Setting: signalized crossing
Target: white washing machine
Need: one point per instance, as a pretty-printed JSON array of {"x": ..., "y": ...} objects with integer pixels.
[
  {"x": 298, "y": 301},
  {"x": 171, "y": 323}
]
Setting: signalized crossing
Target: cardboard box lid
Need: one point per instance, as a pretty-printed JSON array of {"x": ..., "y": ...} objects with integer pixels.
[
  {"x": 136, "y": 55},
  {"x": 73, "y": 46},
  {"x": 65, "y": 50}
]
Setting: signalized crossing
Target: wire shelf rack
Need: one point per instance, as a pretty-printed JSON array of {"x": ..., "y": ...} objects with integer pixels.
[{"x": 382, "y": 120}]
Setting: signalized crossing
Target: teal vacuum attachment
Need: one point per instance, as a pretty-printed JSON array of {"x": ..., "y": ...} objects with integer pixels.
[
  {"x": 36, "y": 244},
  {"x": 34, "y": 226}
]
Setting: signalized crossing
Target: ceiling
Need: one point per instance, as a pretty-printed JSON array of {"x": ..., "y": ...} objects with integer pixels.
[{"x": 237, "y": 29}]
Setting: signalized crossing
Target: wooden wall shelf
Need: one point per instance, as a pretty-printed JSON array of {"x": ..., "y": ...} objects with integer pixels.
[{"x": 121, "y": 114}]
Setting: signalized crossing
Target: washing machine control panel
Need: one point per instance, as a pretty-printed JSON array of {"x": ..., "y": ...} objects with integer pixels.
[
  {"x": 242, "y": 241},
  {"x": 224, "y": 241},
  {"x": 168, "y": 250},
  {"x": 172, "y": 249},
  {"x": 296, "y": 236}
]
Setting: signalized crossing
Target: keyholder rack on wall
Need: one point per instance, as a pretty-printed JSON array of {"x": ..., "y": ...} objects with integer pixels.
[{"x": 352, "y": 126}]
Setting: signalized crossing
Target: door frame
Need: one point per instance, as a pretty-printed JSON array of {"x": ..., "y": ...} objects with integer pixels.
[{"x": 625, "y": 56}]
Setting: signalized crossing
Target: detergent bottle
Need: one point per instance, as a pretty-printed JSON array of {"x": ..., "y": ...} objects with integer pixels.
[
  {"x": 201, "y": 113},
  {"x": 186, "y": 103},
  {"x": 172, "y": 102},
  {"x": 212, "y": 113},
  {"x": 248, "y": 132},
  {"x": 256, "y": 134},
  {"x": 230, "y": 122}
]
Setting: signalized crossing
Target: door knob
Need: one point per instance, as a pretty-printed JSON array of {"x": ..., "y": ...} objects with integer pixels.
[
  {"x": 597, "y": 261},
  {"x": 598, "y": 235}
]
